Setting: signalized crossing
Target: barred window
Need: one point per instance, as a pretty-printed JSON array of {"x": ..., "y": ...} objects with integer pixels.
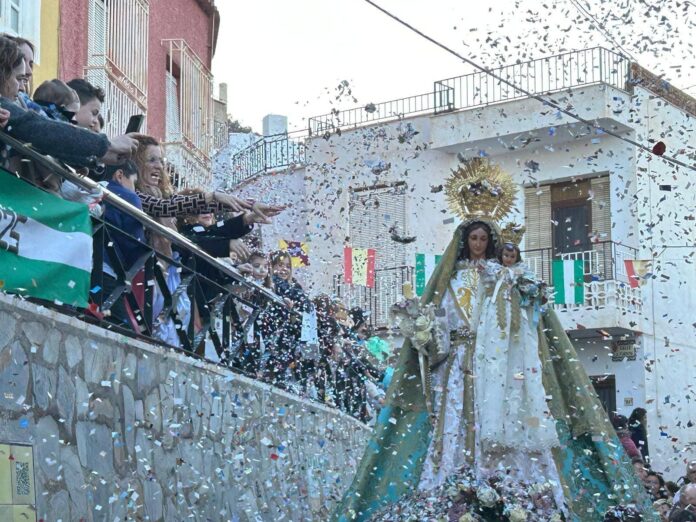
[
  {"x": 376, "y": 213},
  {"x": 117, "y": 58},
  {"x": 373, "y": 212},
  {"x": 189, "y": 139}
]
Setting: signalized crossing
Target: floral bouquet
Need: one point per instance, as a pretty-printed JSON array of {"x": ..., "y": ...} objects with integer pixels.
[
  {"x": 464, "y": 498},
  {"x": 417, "y": 322}
]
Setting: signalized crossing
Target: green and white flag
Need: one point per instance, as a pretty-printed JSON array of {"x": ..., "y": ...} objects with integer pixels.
[
  {"x": 425, "y": 265},
  {"x": 568, "y": 281},
  {"x": 45, "y": 244}
]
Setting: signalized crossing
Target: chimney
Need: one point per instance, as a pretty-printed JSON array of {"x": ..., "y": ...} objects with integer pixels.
[
  {"x": 275, "y": 124},
  {"x": 223, "y": 92}
]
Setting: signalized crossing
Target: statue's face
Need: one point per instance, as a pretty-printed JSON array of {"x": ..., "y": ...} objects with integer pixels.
[{"x": 478, "y": 242}]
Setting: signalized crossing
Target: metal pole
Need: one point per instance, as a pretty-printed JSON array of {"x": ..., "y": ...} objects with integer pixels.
[{"x": 147, "y": 221}]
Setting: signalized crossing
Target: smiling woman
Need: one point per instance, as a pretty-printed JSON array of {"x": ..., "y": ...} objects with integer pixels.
[{"x": 150, "y": 161}]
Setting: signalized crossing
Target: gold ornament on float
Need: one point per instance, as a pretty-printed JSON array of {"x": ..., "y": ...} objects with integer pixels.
[
  {"x": 512, "y": 233},
  {"x": 479, "y": 189}
]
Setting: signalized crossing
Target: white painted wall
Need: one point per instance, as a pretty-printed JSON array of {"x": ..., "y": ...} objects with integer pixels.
[
  {"x": 595, "y": 356},
  {"x": 665, "y": 223},
  {"x": 512, "y": 134}
]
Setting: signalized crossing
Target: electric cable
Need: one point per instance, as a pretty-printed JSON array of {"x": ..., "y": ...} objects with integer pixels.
[
  {"x": 587, "y": 14},
  {"x": 546, "y": 101}
]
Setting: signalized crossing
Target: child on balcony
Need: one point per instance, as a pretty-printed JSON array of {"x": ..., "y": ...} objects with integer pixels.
[
  {"x": 252, "y": 354},
  {"x": 286, "y": 323}
]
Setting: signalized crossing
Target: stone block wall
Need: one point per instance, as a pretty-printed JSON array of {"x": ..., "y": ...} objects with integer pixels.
[{"x": 122, "y": 429}]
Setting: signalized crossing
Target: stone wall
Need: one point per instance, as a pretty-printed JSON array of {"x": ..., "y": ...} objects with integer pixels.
[{"x": 121, "y": 428}]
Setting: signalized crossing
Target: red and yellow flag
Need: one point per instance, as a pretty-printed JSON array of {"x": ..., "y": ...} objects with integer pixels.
[{"x": 359, "y": 266}]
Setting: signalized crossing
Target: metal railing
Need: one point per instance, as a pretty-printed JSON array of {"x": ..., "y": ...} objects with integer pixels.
[
  {"x": 378, "y": 300},
  {"x": 376, "y": 112},
  {"x": 214, "y": 288},
  {"x": 267, "y": 154},
  {"x": 221, "y": 135},
  {"x": 541, "y": 76},
  {"x": 605, "y": 279},
  {"x": 603, "y": 262}
]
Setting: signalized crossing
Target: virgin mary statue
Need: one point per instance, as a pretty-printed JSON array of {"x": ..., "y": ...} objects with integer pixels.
[{"x": 495, "y": 387}]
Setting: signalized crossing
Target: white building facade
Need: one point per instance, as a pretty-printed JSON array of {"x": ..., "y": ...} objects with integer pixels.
[{"x": 583, "y": 195}]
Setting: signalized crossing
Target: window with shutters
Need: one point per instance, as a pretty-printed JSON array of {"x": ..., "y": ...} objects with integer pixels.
[
  {"x": 117, "y": 42},
  {"x": 376, "y": 213},
  {"x": 22, "y": 18},
  {"x": 537, "y": 240},
  {"x": 570, "y": 220},
  {"x": 189, "y": 123}
]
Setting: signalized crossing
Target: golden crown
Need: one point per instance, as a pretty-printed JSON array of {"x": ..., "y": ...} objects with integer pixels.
[
  {"x": 512, "y": 233},
  {"x": 478, "y": 189}
]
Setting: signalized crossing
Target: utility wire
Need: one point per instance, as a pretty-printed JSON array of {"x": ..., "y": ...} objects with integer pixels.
[
  {"x": 587, "y": 14},
  {"x": 546, "y": 101}
]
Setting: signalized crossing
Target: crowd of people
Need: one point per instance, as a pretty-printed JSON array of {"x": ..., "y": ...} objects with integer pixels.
[
  {"x": 673, "y": 501},
  {"x": 311, "y": 346},
  {"x": 314, "y": 347},
  {"x": 63, "y": 119}
]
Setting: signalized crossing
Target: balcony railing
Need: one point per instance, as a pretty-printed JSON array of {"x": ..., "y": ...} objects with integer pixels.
[
  {"x": 376, "y": 112},
  {"x": 378, "y": 300},
  {"x": 213, "y": 288},
  {"x": 543, "y": 76},
  {"x": 606, "y": 281},
  {"x": 267, "y": 154},
  {"x": 605, "y": 261}
]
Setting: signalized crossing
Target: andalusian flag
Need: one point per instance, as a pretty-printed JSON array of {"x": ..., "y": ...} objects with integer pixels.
[
  {"x": 45, "y": 244},
  {"x": 636, "y": 270},
  {"x": 299, "y": 252},
  {"x": 359, "y": 266},
  {"x": 425, "y": 265},
  {"x": 569, "y": 281}
]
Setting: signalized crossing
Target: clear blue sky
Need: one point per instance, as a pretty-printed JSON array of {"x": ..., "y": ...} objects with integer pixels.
[{"x": 288, "y": 57}]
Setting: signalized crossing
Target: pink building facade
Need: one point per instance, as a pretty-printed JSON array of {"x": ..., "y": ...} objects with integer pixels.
[{"x": 152, "y": 57}]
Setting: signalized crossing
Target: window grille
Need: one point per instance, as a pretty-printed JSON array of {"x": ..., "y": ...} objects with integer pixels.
[
  {"x": 189, "y": 115},
  {"x": 173, "y": 122},
  {"x": 117, "y": 58}
]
